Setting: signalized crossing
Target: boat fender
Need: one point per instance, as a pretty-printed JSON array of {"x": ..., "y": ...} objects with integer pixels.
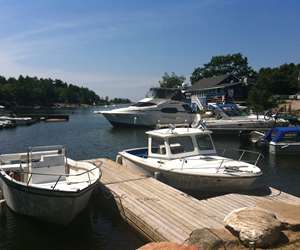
[{"x": 119, "y": 159}]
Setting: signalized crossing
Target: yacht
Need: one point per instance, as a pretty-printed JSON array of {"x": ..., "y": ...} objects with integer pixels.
[
  {"x": 161, "y": 106},
  {"x": 186, "y": 158},
  {"x": 45, "y": 184},
  {"x": 229, "y": 118}
]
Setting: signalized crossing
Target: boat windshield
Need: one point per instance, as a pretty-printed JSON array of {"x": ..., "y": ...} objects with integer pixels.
[
  {"x": 166, "y": 93},
  {"x": 158, "y": 146},
  {"x": 230, "y": 111},
  {"x": 143, "y": 104},
  {"x": 204, "y": 142},
  {"x": 181, "y": 144}
]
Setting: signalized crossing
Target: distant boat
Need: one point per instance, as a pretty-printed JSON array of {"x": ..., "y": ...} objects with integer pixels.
[
  {"x": 229, "y": 118},
  {"x": 279, "y": 140},
  {"x": 45, "y": 184},
  {"x": 7, "y": 124},
  {"x": 186, "y": 158},
  {"x": 18, "y": 120}
]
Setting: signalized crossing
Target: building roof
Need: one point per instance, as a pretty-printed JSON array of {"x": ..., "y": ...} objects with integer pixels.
[{"x": 213, "y": 82}]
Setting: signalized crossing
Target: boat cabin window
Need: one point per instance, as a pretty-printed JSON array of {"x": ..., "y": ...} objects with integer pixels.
[
  {"x": 143, "y": 104},
  {"x": 158, "y": 146},
  {"x": 204, "y": 142},
  {"x": 181, "y": 144},
  {"x": 169, "y": 110}
]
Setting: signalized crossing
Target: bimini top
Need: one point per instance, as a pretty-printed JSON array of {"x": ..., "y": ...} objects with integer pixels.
[
  {"x": 283, "y": 134},
  {"x": 173, "y": 132}
]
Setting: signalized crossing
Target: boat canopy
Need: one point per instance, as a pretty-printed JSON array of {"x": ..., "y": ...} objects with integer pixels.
[{"x": 283, "y": 134}]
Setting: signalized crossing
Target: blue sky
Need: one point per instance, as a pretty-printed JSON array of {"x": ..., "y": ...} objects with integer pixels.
[{"x": 121, "y": 48}]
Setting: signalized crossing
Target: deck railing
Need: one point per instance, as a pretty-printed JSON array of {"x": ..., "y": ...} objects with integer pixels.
[{"x": 238, "y": 155}]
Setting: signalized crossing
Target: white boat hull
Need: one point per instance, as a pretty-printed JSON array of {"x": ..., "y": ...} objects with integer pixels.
[
  {"x": 59, "y": 207},
  {"x": 229, "y": 126},
  {"x": 192, "y": 182},
  {"x": 284, "y": 148},
  {"x": 147, "y": 119}
]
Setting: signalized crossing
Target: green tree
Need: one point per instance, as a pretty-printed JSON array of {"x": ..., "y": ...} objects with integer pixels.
[
  {"x": 235, "y": 64},
  {"x": 171, "y": 81},
  {"x": 260, "y": 99},
  {"x": 282, "y": 80}
]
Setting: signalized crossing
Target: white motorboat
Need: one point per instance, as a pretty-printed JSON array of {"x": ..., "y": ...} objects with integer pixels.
[
  {"x": 45, "y": 184},
  {"x": 229, "y": 118},
  {"x": 18, "y": 120},
  {"x": 164, "y": 106},
  {"x": 186, "y": 158}
]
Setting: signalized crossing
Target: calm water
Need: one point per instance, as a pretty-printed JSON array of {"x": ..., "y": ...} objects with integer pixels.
[{"x": 88, "y": 136}]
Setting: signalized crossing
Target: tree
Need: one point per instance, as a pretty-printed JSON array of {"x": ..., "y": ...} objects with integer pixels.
[
  {"x": 282, "y": 80},
  {"x": 31, "y": 91},
  {"x": 171, "y": 81},
  {"x": 235, "y": 64},
  {"x": 260, "y": 99}
]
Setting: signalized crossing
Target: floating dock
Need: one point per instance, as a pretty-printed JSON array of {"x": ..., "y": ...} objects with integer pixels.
[{"x": 163, "y": 213}]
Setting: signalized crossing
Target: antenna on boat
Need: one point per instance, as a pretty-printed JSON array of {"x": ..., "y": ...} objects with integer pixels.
[
  {"x": 202, "y": 125},
  {"x": 186, "y": 123},
  {"x": 172, "y": 127}
]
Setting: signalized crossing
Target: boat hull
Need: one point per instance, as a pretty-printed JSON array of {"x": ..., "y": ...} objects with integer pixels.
[
  {"x": 59, "y": 207},
  {"x": 283, "y": 149},
  {"x": 236, "y": 126},
  {"x": 192, "y": 182},
  {"x": 147, "y": 119}
]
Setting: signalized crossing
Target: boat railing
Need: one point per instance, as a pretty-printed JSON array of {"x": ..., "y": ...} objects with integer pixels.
[
  {"x": 244, "y": 155},
  {"x": 60, "y": 176},
  {"x": 240, "y": 155}
]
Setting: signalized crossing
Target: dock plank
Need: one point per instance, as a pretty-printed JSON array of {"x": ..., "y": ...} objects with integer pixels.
[{"x": 163, "y": 213}]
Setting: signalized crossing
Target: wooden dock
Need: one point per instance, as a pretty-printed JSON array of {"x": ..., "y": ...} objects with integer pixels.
[{"x": 162, "y": 213}]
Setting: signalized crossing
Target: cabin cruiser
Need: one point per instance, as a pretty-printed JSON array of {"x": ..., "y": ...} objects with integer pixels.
[
  {"x": 45, "y": 184},
  {"x": 162, "y": 106},
  {"x": 279, "y": 140},
  {"x": 230, "y": 118},
  {"x": 186, "y": 158}
]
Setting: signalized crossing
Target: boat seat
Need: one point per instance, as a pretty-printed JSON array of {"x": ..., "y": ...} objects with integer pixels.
[{"x": 53, "y": 165}]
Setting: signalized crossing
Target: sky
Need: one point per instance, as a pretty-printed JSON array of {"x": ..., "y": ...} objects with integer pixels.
[{"x": 122, "y": 48}]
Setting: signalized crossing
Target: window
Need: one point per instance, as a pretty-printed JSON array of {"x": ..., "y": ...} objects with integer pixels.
[
  {"x": 182, "y": 144},
  {"x": 143, "y": 104},
  {"x": 158, "y": 146},
  {"x": 169, "y": 110},
  {"x": 204, "y": 142}
]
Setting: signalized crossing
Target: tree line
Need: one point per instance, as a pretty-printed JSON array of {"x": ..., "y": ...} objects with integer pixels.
[
  {"x": 264, "y": 83},
  {"x": 33, "y": 91}
]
